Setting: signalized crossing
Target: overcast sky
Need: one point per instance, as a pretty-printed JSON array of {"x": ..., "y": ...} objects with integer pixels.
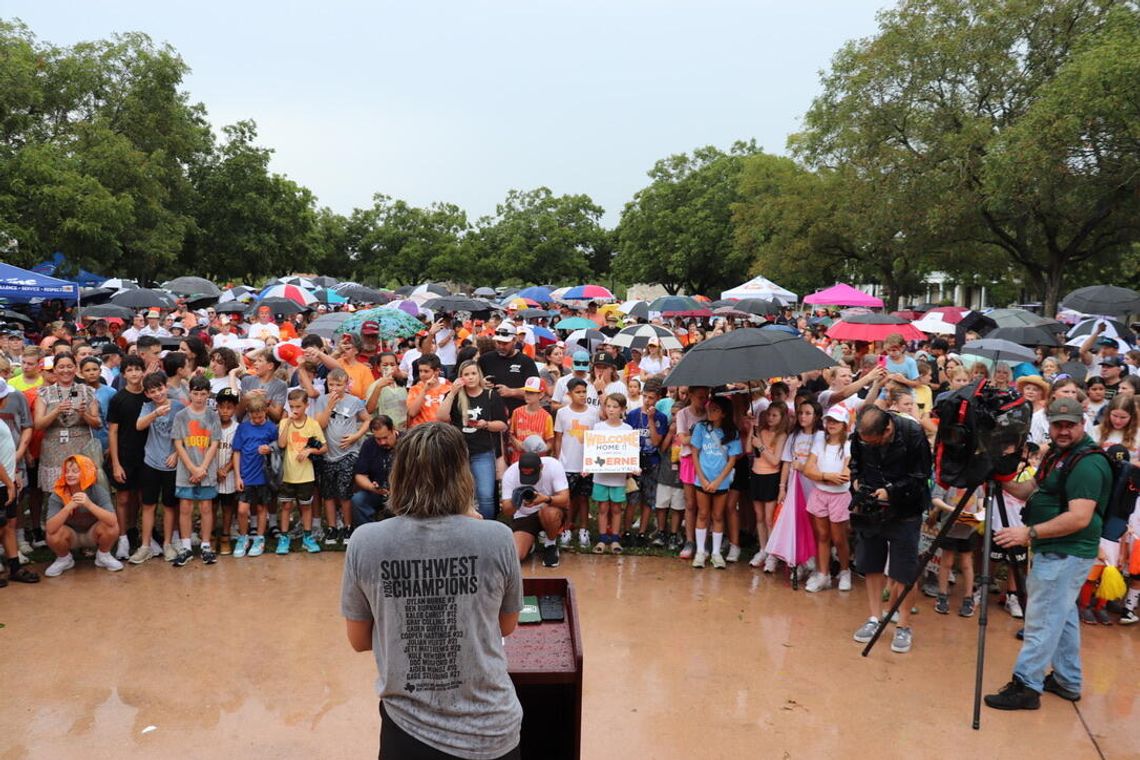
[{"x": 462, "y": 101}]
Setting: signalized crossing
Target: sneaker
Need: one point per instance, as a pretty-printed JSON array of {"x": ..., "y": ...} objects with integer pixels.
[
  {"x": 733, "y": 553},
  {"x": 699, "y": 559},
  {"x": 628, "y": 538},
  {"x": 169, "y": 552},
  {"x": 155, "y": 548},
  {"x": 122, "y": 548},
  {"x": 1102, "y": 616},
  {"x": 867, "y": 630},
  {"x": 658, "y": 540},
  {"x": 60, "y": 566},
  {"x": 208, "y": 556},
  {"x": 642, "y": 540},
  {"x": 687, "y": 550},
  {"x": 550, "y": 555},
  {"x": 818, "y": 582},
  {"x": 183, "y": 558},
  {"x": 296, "y": 531},
  {"x": 1014, "y": 696},
  {"x": 39, "y": 538},
  {"x": 942, "y": 605},
  {"x": 273, "y": 532},
  {"x": 282, "y": 543},
  {"x": 108, "y": 561},
  {"x": 770, "y": 563},
  {"x": 23, "y": 558},
  {"x": 1063, "y": 692},
  {"x": 717, "y": 561},
  {"x": 141, "y": 555},
  {"x": 225, "y": 545},
  {"x": 25, "y": 547},
  {"x": 583, "y": 538},
  {"x": 310, "y": 544},
  {"x": 346, "y": 534},
  {"x": 1129, "y": 617},
  {"x": 1013, "y": 607},
  {"x": 967, "y": 608},
  {"x": 758, "y": 558},
  {"x": 674, "y": 542},
  {"x": 902, "y": 640},
  {"x": 331, "y": 536},
  {"x": 844, "y": 580},
  {"x": 565, "y": 538},
  {"x": 1087, "y": 616},
  {"x": 257, "y": 546},
  {"x": 930, "y": 588},
  {"x": 241, "y": 546}
]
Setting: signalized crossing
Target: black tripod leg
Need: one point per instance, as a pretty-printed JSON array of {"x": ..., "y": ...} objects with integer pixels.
[
  {"x": 923, "y": 560},
  {"x": 992, "y": 489}
]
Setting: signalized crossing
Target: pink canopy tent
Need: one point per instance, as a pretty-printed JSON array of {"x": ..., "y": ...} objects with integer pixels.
[{"x": 844, "y": 295}]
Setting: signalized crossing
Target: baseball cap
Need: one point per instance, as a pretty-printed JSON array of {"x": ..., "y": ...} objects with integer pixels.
[
  {"x": 1112, "y": 361},
  {"x": 603, "y": 358},
  {"x": 227, "y": 394},
  {"x": 530, "y": 468},
  {"x": 652, "y": 342},
  {"x": 1066, "y": 410},
  {"x": 1106, "y": 341},
  {"x": 153, "y": 314},
  {"x": 838, "y": 413},
  {"x": 581, "y": 360},
  {"x": 110, "y": 349},
  {"x": 534, "y": 444},
  {"x": 504, "y": 334},
  {"x": 371, "y": 327},
  {"x": 533, "y": 385}
]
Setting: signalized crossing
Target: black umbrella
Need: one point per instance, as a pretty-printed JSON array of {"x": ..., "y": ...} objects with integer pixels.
[
  {"x": 283, "y": 306},
  {"x": 143, "y": 298},
  {"x": 456, "y": 303},
  {"x": 105, "y": 310},
  {"x": 746, "y": 355},
  {"x": 673, "y": 303},
  {"x": 95, "y": 295},
  {"x": 231, "y": 307},
  {"x": 405, "y": 290},
  {"x": 324, "y": 281},
  {"x": 533, "y": 313},
  {"x": 1025, "y": 336},
  {"x": 192, "y": 286},
  {"x": 1103, "y": 299},
  {"x": 1020, "y": 318},
  {"x": 979, "y": 323},
  {"x": 201, "y": 302},
  {"x": 999, "y": 350},
  {"x": 639, "y": 310},
  {"x": 9, "y": 315},
  {"x": 486, "y": 292},
  {"x": 758, "y": 306},
  {"x": 362, "y": 294}
]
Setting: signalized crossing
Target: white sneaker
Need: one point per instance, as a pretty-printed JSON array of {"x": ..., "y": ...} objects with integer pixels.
[
  {"x": 170, "y": 552},
  {"x": 583, "y": 538},
  {"x": 717, "y": 561},
  {"x": 733, "y": 553},
  {"x": 758, "y": 558},
  {"x": 565, "y": 539},
  {"x": 142, "y": 554},
  {"x": 1013, "y": 606},
  {"x": 25, "y": 547},
  {"x": 122, "y": 548},
  {"x": 60, "y": 566},
  {"x": 155, "y": 548},
  {"x": 818, "y": 582},
  {"x": 770, "y": 563},
  {"x": 105, "y": 559},
  {"x": 23, "y": 558},
  {"x": 699, "y": 559},
  {"x": 844, "y": 580}
]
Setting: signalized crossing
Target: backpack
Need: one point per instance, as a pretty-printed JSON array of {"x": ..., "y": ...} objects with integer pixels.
[{"x": 1122, "y": 496}]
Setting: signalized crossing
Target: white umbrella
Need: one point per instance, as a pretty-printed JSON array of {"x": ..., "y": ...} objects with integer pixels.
[
  {"x": 934, "y": 324},
  {"x": 118, "y": 283}
]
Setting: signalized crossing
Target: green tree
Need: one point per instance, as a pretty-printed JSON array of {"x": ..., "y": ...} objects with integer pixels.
[
  {"x": 677, "y": 231},
  {"x": 398, "y": 243},
  {"x": 1011, "y": 121}
]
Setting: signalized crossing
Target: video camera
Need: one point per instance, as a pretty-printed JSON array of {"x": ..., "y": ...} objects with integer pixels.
[
  {"x": 981, "y": 433},
  {"x": 866, "y": 510}
]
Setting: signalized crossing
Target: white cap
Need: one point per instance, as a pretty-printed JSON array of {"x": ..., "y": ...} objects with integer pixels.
[{"x": 838, "y": 413}]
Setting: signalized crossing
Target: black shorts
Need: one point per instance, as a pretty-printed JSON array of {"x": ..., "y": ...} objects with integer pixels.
[
  {"x": 742, "y": 476},
  {"x": 398, "y": 743},
  {"x": 529, "y": 524},
  {"x": 302, "y": 493},
  {"x": 261, "y": 495},
  {"x": 896, "y": 539},
  {"x": 765, "y": 487},
  {"x": 581, "y": 484},
  {"x": 133, "y": 473},
  {"x": 998, "y": 554},
  {"x": 336, "y": 478},
  {"x": 226, "y": 499},
  {"x": 155, "y": 483},
  {"x": 961, "y": 538}
]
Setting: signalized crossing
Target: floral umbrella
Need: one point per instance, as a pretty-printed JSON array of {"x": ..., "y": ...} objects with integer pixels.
[{"x": 394, "y": 323}]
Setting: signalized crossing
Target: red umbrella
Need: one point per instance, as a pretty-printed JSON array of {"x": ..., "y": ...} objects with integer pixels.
[
  {"x": 908, "y": 314},
  {"x": 950, "y": 314},
  {"x": 873, "y": 327}
]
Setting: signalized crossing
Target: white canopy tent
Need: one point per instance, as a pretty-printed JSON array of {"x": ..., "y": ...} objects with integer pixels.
[{"x": 761, "y": 287}]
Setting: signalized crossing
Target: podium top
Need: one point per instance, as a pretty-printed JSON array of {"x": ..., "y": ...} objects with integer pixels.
[{"x": 551, "y": 651}]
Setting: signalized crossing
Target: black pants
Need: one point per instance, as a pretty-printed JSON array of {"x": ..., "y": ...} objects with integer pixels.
[{"x": 396, "y": 744}]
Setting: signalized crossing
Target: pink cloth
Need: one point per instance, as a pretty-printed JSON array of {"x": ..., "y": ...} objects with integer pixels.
[{"x": 792, "y": 539}]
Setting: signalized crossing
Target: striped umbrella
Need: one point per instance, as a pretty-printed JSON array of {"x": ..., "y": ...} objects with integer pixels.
[
  {"x": 588, "y": 293},
  {"x": 297, "y": 295}
]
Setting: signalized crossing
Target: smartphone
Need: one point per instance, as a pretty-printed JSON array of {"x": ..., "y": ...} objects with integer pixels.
[{"x": 882, "y": 361}]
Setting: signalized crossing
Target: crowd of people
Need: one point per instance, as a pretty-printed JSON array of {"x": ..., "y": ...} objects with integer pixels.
[{"x": 234, "y": 426}]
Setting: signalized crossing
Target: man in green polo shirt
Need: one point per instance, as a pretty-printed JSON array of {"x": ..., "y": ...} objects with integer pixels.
[{"x": 1063, "y": 526}]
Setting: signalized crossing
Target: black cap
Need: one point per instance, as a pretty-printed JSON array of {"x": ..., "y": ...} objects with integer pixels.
[
  {"x": 602, "y": 357},
  {"x": 227, "y": 394},
  {"x": 110, "y": 349},
  {"x": 530, "y": 468}
]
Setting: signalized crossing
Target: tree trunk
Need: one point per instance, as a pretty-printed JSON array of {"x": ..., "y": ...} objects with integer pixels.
[{"x": 1051, "y": 294}]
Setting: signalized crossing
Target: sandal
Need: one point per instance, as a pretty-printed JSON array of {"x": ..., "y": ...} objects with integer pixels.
[
  {"x": 24, "y": 575},
  {"x": 600, "y": 548},
  {"x": 615, "y": 547}
]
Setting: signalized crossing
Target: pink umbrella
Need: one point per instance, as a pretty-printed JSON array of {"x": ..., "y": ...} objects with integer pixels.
[
  {"x": 951, "y": 314},
  {"x": 844, "y": 295}
]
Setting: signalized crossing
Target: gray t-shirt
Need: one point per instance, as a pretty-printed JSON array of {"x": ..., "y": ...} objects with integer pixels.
[
  {"x": 82, "y": 519},
  {"x": 434, "y": 589},
  {"x": 160, "y": 443},
  {"x": 16, "y": 414},
  {"x": 276, "y": 391},
  {"x": 197, "y": 431},
  {"x": 344, "y": 419}
]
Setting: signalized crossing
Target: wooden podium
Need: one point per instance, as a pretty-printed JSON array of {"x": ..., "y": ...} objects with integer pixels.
[{"x": 545, "y": 663}]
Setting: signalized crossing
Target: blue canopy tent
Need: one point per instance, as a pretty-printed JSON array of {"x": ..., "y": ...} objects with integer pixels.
[
  {"x": 58, "y": 261},
  {"x": 23, "y": 285}
]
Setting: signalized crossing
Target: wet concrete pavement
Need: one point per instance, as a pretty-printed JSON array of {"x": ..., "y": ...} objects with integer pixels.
[{"x": 248, "y": 658}]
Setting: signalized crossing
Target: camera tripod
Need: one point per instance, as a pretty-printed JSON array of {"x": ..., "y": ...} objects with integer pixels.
[{"x": 993, "y": 498}]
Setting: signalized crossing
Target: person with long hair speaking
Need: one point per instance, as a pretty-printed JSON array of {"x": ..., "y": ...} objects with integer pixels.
[{"x": 432, "y": 592}]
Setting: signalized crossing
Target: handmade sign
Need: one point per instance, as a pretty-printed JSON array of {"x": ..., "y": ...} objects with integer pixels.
[{"x": 611, "y": 452}]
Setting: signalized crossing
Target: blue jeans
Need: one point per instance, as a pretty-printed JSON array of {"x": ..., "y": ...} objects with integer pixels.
[
  {"x": 1052, "y": 628},
  {"x": 483, "y": 470},
  {"x": 365, "y": 505}
]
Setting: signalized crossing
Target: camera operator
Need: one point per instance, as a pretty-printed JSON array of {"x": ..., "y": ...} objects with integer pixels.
[
  {"x": 890, "y": 469},
  {"x": 1063, "y": 515},
  {"x": 536, "y": 497}
]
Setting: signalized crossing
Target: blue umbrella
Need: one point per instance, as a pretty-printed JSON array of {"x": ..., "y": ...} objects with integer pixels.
[
  {"x": 535, "y": 293},
  {"x": 781, "y": 328}
]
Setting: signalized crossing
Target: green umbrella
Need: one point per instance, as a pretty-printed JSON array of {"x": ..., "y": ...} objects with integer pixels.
[
  {"x": 393, "y": 323},
  {"x": 576, "y": 323}
]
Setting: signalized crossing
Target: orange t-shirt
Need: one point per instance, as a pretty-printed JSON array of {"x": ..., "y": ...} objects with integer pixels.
[
  {"x": 288, "y": 331},
  {"x": 360, "y": 377},
  {"x": 431, "y": 403},
  {"x": 526, "y": 423}
]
